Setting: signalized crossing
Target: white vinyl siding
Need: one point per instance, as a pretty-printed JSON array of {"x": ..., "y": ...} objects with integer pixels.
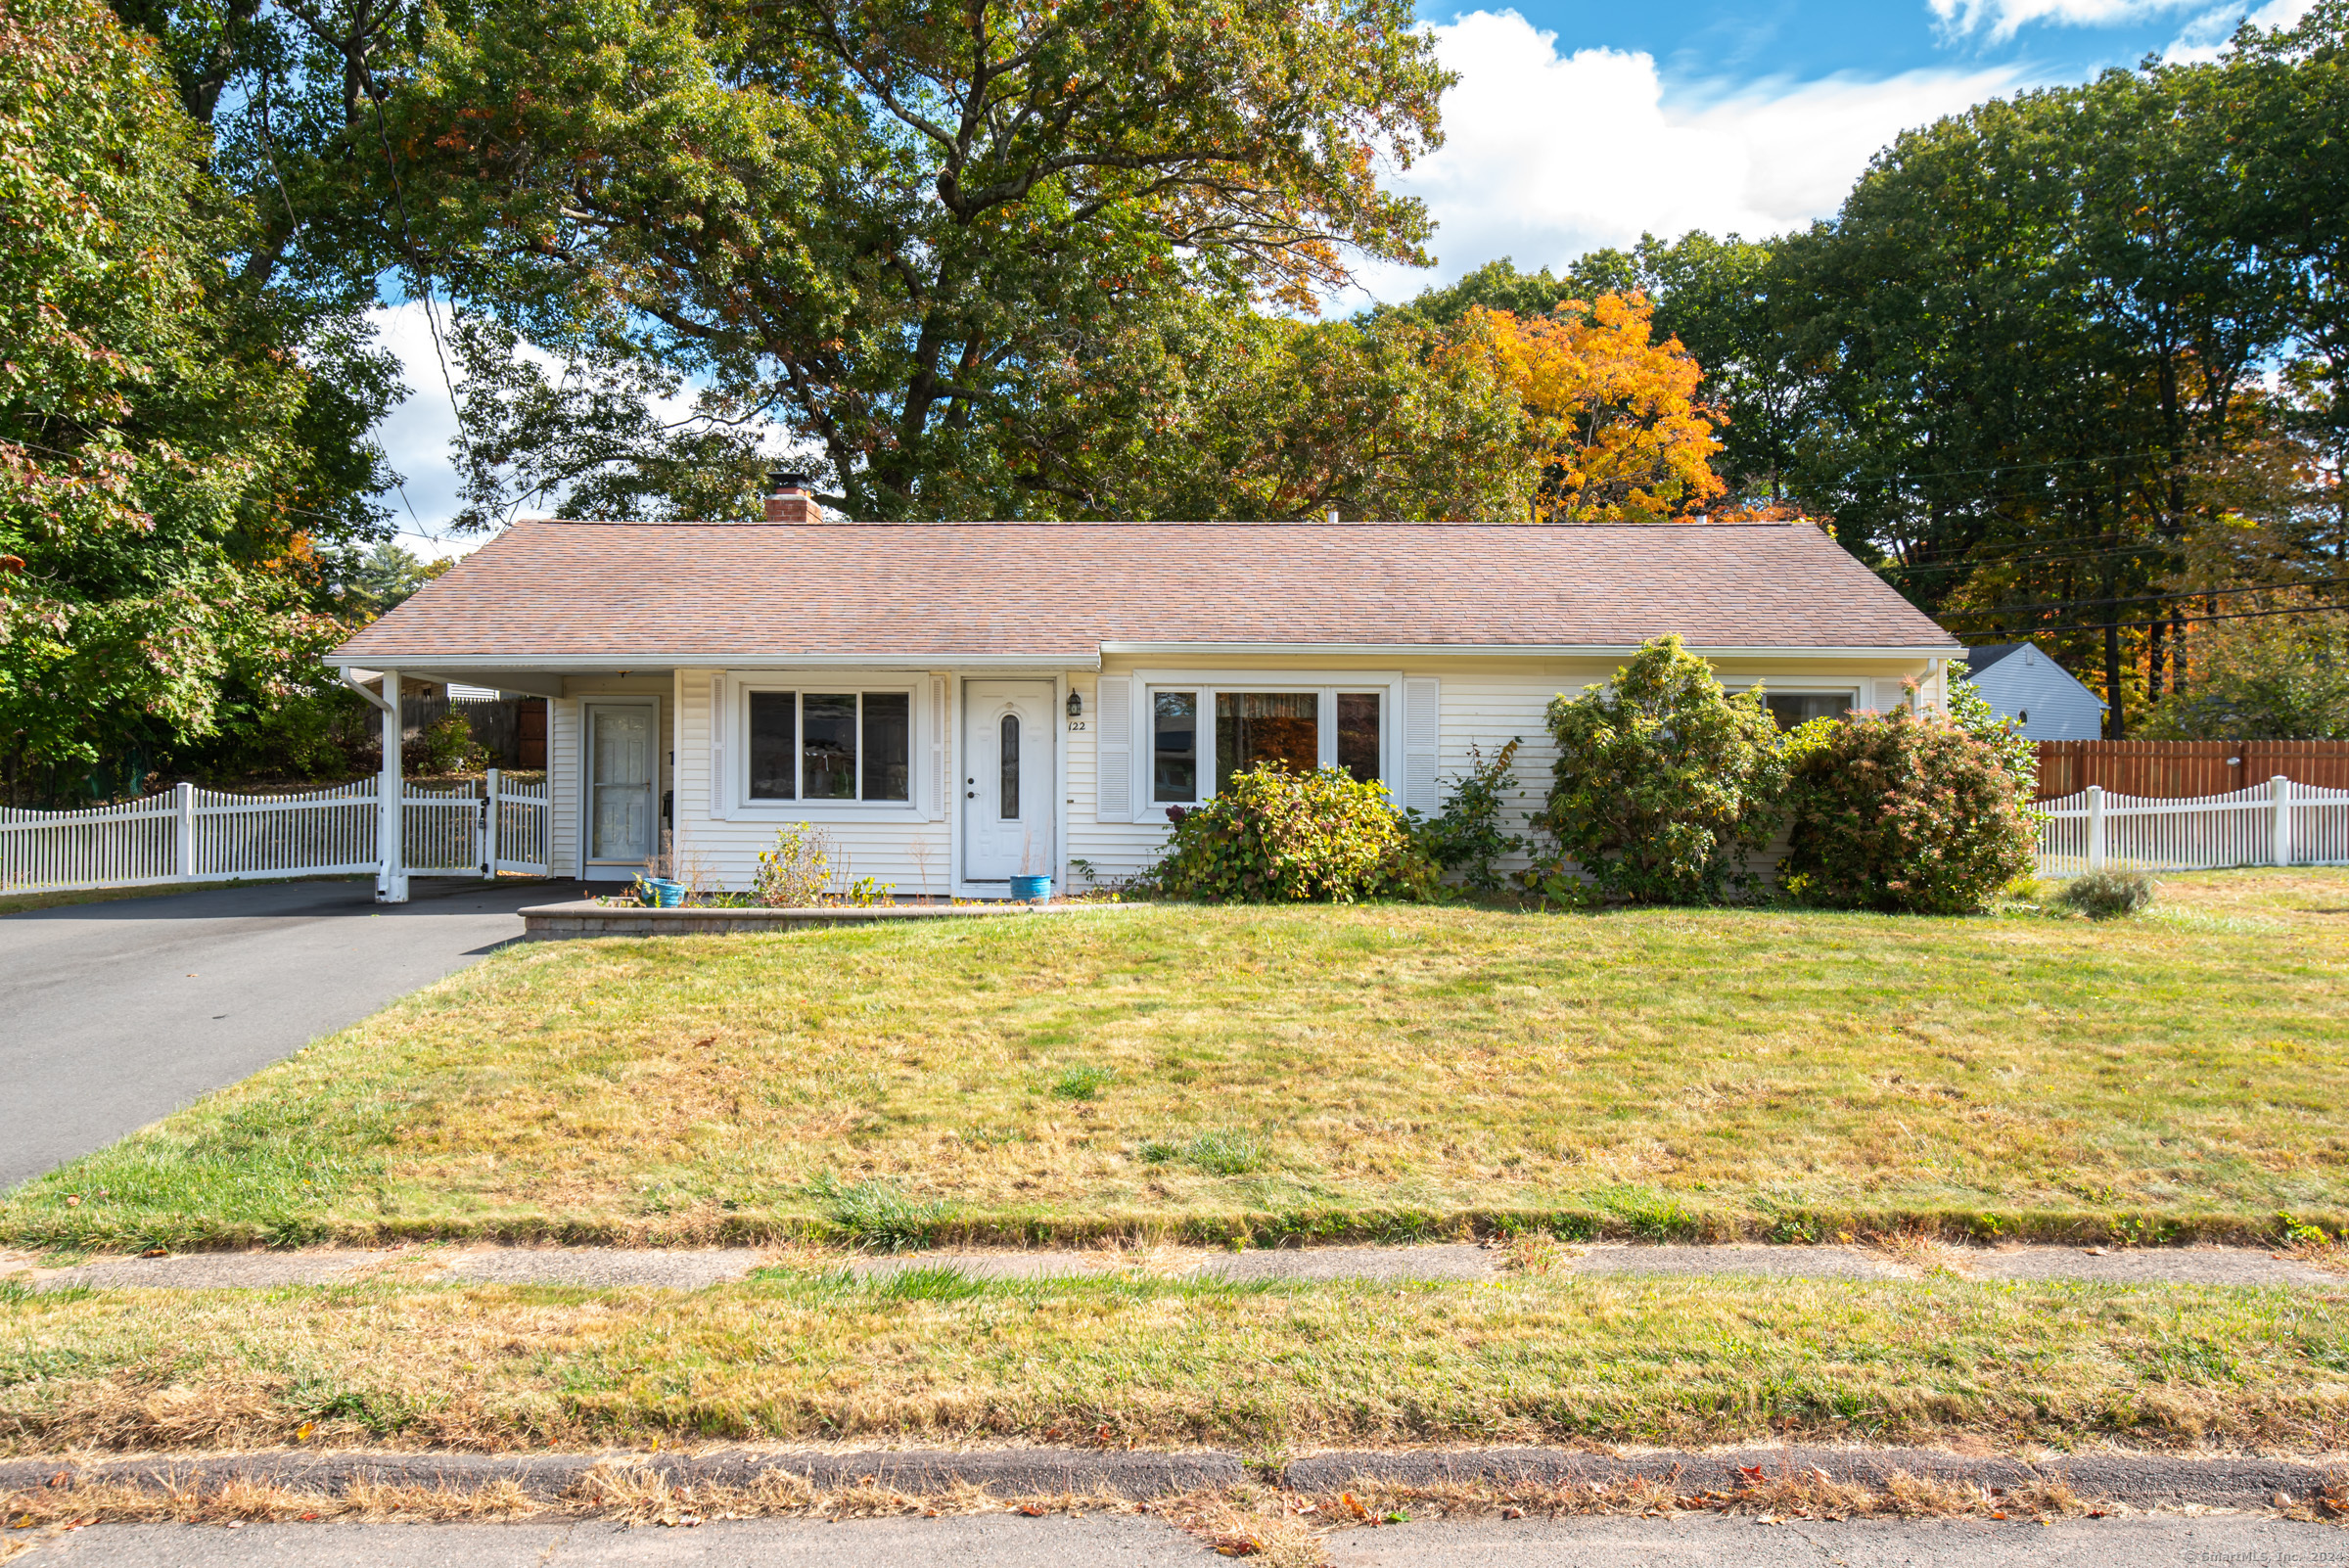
[{"x": 1478, "y": 703}]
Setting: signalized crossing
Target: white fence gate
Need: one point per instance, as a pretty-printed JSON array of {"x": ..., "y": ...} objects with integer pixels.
[
  {"x": 197, "y": 835},
  {"x": 2276, "y": 823}
]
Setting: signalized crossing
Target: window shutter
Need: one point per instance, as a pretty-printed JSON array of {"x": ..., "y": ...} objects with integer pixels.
[
  {"x": 1422, "y": 743},
  {"x": 718, "y": 748},
  {"x": 1113, "y": 749},
  {"x": 941, "y": 791}
]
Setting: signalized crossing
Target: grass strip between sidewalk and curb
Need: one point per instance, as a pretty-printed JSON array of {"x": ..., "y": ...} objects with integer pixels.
[
  {"x": 1257, "y": 1075},
  {"x": 931, "y": 1355}
]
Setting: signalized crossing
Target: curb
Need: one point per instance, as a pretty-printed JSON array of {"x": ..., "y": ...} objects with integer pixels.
[
  {"x": 920, "y": 1473},
  {"x": 2139, "y": 1480}
]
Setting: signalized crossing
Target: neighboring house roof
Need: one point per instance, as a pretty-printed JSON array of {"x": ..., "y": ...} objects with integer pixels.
[
  {"x": 1982, "y": 656},
  {"x": 553, "y": 594}
]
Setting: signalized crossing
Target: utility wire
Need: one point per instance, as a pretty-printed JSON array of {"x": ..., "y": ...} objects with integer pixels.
[
  {"x": 2178, "y": 596},
  {"x": 2168, "y": 620}
]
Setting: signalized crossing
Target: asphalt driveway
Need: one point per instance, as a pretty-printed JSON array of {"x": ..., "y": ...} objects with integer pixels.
[{"x": 115, "y": 1014}]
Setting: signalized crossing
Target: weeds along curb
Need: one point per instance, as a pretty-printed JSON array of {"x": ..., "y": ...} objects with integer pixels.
[
  {"x": 2140, "y": 1481},
  {"x": 1241, "y": 1229},
  {"x": 550, "y": 1476}
]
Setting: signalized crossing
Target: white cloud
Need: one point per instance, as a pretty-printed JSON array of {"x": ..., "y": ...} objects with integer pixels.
[
  {"x": 416, "y": 434},
  {"x": 2003, "y": 18},
  {"x": 1547, "y": 155},
  {"x": 2206, "y": 35}
]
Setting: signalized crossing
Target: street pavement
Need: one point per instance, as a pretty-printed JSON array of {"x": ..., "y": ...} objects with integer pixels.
[
  {"x": 1009, "y": 1541},
  {"x": 115, "y": 1014}
]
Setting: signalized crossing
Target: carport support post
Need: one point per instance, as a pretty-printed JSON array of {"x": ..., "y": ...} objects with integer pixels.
[{"x": 390, "y": 855}]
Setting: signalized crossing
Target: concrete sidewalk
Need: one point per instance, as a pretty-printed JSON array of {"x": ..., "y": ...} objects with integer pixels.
[
  {"x": 1009, "y": 1541},
  {"x": 693, "y": 1269},
  {"x": 120, "y": 1013}
]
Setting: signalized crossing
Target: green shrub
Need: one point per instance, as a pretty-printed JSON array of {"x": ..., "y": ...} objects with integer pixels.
[
  {"x": 1465, "y": 835},
  {"x": 1903, "y": 814},
  {"x": 1274, "y": 836},
  {"x": 449, "y": 746},
  {"x": 1664, "y": 783},
  {"x": 2107, "y": 894}
]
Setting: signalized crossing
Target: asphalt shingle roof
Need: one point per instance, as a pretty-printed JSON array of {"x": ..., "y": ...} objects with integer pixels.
[{"x": 649, "y": 592}]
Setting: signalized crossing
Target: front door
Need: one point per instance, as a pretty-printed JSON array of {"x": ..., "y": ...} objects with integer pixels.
[
  {"x": 620, "y": 781},
  {"x": 1007, "y": 779}
]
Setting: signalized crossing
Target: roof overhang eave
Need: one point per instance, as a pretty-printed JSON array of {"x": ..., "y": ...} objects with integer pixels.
[
  {"x": 602, "y": 662},
  {"x": 1491, "y": 650}
]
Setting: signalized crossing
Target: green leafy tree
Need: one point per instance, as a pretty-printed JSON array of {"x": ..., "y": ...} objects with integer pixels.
[
  {"x": 892, "y": 227},
  {"x": 151, "y": 447},
  {"x": 2285, "y": 678},
  {"x": 1664, "y": 783},
  {"x": 389, "y": 574}
]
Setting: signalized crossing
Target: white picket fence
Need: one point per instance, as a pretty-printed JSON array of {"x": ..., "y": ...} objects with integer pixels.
[
  {"x": 2276, "y": 823},
  {"x": 197, "y": 835}
]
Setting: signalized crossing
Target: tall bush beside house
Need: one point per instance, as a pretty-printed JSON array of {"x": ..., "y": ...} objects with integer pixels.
[
  {"x": 1664, "y": 782},
  {"x": 1903, "y": 814},
  {"x": 1274, "y": 836}
]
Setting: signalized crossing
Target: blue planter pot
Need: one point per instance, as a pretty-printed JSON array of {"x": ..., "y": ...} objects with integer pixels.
[
  {"x": 1031, "y": 890},
  {"x": 661, "y": 892}
]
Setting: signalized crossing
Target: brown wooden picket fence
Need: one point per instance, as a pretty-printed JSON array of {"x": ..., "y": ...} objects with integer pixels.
[{"x": 2172, "y": 770}]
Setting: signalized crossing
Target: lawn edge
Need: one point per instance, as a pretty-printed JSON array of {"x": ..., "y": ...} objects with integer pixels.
[{"x": 1236, "y": 1229}]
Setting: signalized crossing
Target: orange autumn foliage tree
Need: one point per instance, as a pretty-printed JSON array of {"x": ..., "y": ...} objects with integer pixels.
[{"x": 1613, "y": 413}]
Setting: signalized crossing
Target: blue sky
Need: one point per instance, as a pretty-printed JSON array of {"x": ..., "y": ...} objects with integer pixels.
[
  {"x": 1578, "y": 124},
  {"x": 1705, "y": 40}
]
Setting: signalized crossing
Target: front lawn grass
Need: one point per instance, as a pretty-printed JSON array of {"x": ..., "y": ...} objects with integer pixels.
[
  {"x": 1267, "y": 1074},
  {"x": 818, "y": 1356}
]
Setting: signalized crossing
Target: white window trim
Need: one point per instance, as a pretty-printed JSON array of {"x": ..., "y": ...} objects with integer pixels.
[
  {"x": 827, "y": 681},
  {"x": 1325, "y": 683},
  {"x": 1855, "y": 689}
]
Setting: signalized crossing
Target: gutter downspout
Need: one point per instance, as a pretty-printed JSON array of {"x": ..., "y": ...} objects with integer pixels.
[{"x": 390, "y": 867}]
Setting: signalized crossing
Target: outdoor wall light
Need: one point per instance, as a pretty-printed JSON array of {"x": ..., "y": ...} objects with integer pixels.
[{"x": 1076, "y": 702}]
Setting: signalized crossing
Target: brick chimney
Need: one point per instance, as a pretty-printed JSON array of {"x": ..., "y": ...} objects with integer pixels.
[{"x": 788, "y": 499}]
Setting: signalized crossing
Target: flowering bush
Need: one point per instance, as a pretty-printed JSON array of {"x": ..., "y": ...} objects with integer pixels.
[
  {"x": 1274, "y": 836},
  {"x": 1900, "y": 813}
]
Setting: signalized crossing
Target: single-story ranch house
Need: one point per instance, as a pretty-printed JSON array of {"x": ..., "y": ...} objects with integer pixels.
[{"x": 955, "y": 702}]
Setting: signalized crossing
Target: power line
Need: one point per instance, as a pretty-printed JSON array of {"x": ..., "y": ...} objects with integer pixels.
[
  {"x": 2180, "y": 596},
  {"x": 2172, "y": 620}
]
